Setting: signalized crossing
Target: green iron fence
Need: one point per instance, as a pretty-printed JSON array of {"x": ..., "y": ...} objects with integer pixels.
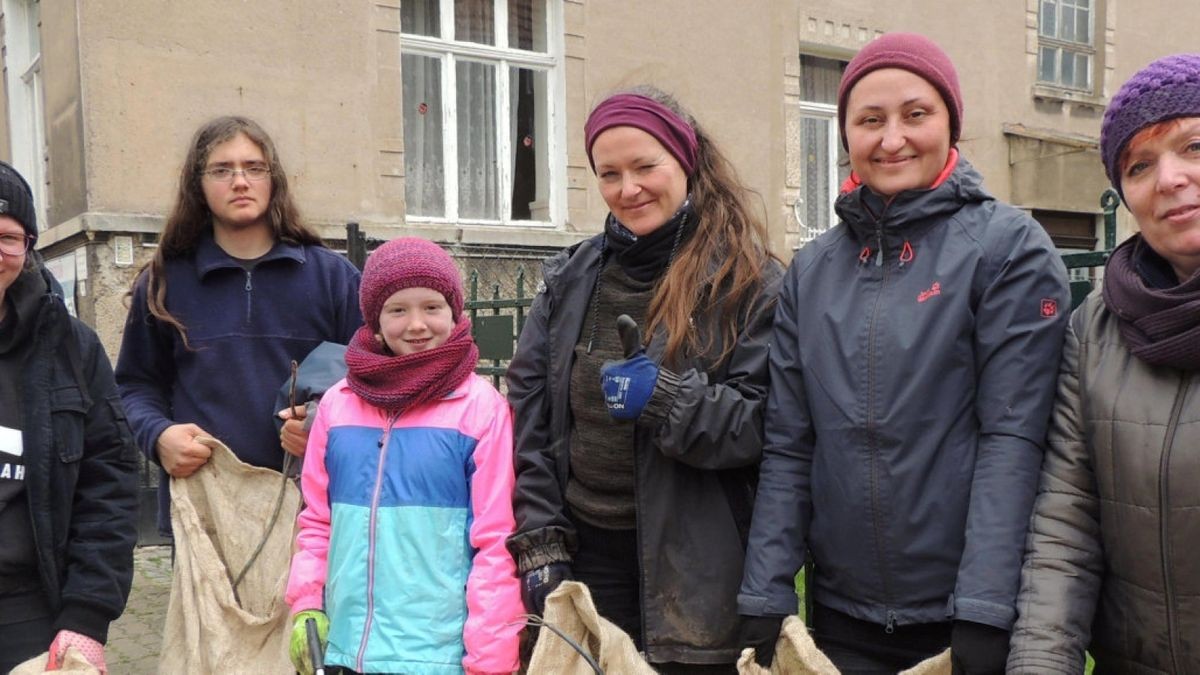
[
  {"x": 496, "y": 324},
  {"x": 497, "y": 321},
  {"x": 1109, "y": 201}
]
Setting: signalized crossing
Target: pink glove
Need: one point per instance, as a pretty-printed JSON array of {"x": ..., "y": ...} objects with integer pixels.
[{"x": 90, "y": 649}]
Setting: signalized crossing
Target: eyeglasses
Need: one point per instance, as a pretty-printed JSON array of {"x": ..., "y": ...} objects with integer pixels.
[
  {"x": 16, "y": 244},
  {"x": 225, "y": 174}
]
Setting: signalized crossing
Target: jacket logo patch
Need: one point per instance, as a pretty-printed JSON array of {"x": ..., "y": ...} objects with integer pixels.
[
  {"x": 935, "y": 289},
  {"x": 1049, "y": 307}
]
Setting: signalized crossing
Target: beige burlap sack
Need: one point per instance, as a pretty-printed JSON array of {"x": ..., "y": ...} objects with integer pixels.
[
  {"x": 570, "y": 609},
  {"x": 73, "y": 663},
  {"x": 220, "y": 514},
  {"x": 797, "y": 654}
]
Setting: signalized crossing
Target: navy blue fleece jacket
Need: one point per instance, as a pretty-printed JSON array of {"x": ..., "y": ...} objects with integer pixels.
[{"x": 244, "y": 328}]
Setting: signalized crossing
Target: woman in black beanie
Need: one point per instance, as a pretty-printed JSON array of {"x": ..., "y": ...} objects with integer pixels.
[
  {"x": 1111, "y": 566},
  {"x": 68, "y": 465}
]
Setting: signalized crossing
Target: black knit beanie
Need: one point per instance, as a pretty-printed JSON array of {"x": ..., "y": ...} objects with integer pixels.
[{"x": 16, "y": 199}]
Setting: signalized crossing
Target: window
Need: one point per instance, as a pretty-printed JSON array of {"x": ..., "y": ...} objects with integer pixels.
[
  {"x": 27, "y": 130},
  {"x": 1071, "y": 233},
  {"x": 1066, "y": 48},
  {"x": 480, "y": 86},
  {"x": 823, "y": 163}
]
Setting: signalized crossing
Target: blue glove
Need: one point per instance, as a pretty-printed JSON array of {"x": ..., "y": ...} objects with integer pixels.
[
  {"x": 628, "y": 384},
  {"x": 539, "y": 583}
]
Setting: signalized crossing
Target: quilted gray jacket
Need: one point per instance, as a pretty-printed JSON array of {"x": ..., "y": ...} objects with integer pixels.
[{"x": 1112, "y": 565}]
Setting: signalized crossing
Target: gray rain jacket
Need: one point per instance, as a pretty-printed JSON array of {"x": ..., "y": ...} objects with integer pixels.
[
  {"x": 912, "y": 371},
  {"x": 695, "y": 459}
]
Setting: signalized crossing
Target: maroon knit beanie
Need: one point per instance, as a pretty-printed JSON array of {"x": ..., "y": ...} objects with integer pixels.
[
  {"x": 907, "y": 51},
  {"x": 408, "y": 262},
  {"x": 652, "y": 117},
  {"x": 1166, "y": 89}
]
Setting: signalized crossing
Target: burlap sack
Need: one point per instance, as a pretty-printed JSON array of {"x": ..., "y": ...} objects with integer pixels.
[
  {"x": 570, "y": 609},
  {"x": 73, "y": 663},
  {"x": 797, "y": 654},
  {"x": 220, "y": 514}
]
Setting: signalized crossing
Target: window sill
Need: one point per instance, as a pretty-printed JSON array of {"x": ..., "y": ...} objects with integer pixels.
[{"x": 1052, "y": 93}]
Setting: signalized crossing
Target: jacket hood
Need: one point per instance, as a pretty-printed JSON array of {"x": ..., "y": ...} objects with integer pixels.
[
  {"x": 866, "y": 213},
  {"x": 31, "y": 294}
]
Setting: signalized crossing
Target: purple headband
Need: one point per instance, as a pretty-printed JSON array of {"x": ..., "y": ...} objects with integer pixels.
[{"x": 652, "y": 117}]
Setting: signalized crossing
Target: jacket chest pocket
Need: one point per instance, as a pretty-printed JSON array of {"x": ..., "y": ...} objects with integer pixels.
[{"x": 67, "y": 417}]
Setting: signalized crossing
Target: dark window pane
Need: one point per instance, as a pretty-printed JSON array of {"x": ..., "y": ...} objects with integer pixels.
[
  {"x": 1067, "y": 30},
  {"x": 1047, "y": 24},
  {"x": 420, "y": 17},
  {"x": 1082, "y": 29},
  {"x": 424, "y": 164},
  {"x": 475, "y": 21},
  {"x": 478, "y": 168},
  {"x": 1083, "y": 68},
  {"x": 530, "y": 149},
  {"x": 1047, "y": 64},
  {"x": 527, "y": 24},
  {"x": 819, "y": 78}
]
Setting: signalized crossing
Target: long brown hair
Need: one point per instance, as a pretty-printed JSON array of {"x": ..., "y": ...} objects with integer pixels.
[
  {"x": 191, "y": 218},
  {"x": 726, "y": 255}
]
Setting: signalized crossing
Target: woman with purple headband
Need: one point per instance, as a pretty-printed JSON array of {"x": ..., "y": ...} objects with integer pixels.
[
  {"x": 1111, "y": 565},
  {"x": 637, "y": 459}
]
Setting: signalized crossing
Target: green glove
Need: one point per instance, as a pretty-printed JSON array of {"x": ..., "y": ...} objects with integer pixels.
[{"x": 298, "y": 650}]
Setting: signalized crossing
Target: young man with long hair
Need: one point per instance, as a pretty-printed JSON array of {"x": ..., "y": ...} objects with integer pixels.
[{"x": 238, "y": 288}]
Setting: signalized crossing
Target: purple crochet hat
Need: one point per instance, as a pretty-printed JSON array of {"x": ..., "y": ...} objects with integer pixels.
[
  {"x": 907, "y": 51},
  {"x": 408, "y": 262},
  {"x": 1166, "y": 89}
]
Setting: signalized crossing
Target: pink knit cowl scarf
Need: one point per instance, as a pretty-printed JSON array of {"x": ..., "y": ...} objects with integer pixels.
[{"x": 398, "y": 383}]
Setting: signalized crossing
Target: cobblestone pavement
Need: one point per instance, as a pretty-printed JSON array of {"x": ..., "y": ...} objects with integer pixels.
[{"x": 135, "y": 638}]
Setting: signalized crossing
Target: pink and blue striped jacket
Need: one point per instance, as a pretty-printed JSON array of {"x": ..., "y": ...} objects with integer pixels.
[{"x": 402, "y": 538}]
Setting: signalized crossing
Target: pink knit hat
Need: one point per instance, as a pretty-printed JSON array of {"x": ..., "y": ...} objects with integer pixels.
[
  {"x": 907, "y": 51},
  {"x": 408, "y": 262}
]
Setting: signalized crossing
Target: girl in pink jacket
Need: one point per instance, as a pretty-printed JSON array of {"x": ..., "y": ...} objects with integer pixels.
[{"x": 407, "y": 482}]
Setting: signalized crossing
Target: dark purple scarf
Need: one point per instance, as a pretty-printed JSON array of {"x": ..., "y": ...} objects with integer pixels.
[
  {"x": 397, "y": 383},
  {"x": 1161, "y": 325}
]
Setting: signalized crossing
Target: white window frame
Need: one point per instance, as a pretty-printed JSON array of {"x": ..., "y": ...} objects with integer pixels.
[
  {"x": 1068, "y": 47},
  {"x": 826, "y": 112},
  {"x": 449, "y": 52},
  {"x": 26, "y": 118}
]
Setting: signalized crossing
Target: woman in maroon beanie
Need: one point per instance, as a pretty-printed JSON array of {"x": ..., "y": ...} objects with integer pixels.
[
  {"x": 912, "y": 371},
  {"x": 1112, "y": 566},
  {"x": 636, "y": 461}
]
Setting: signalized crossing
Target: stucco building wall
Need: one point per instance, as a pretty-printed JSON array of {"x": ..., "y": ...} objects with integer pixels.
[{"x": 128, "y": 82}]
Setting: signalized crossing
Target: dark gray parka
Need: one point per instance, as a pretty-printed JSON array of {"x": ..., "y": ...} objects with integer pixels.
[
  {"x": 912, "y": 370},
  {"x": 696, "y": 462}
]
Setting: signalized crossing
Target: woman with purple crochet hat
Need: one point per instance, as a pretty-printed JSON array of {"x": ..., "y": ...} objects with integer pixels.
[
  {"x": 913, "y": 364},
  {"x": 1111, "y": 565}
]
